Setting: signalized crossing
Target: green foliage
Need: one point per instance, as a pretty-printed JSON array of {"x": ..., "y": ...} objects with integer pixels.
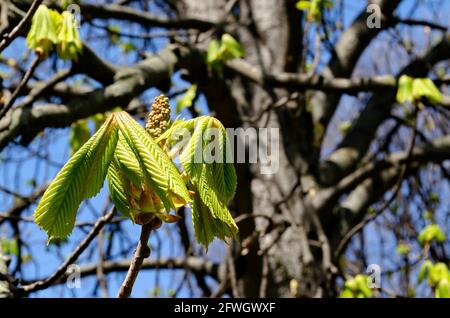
[
  {"x": 79, "y": 134},
  {"x": 212, "y": 55},
  {"x": 431, "y": 233},
  {"x": 127, "y": 47},
  {"x": 206, "y": 160},
  {"x": 160, "y": 172},
  {"x": 345, "y": 127},
  {"x": 9, "y": 247},
  {"x": 43, "y": 32},
  {"x": 187, "y": 99},
  {"x": 230, "y": 48},
  {"x": 415, "y": 89},
  {"x": 69, "y": 45},
  {"x": 119, "y": 188},
  {"x": 142, "y": 178},
  {"x": 438, "y": 278},
  {"x": 81, "y": 177},
  {"x": 227, "y": 49},
  {"x": 403, "y": 249},
  {"x": 314, "y": 8},
  {"x": 114, "y": 31},
  {"x": 49, "y": 29},
  {"x": 443, "y": 289},
  {"x": 356, "y": 287}
]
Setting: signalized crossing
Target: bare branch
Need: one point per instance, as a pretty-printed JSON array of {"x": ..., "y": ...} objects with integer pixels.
[
  {"x": 142, "y": 252},
  {"x": 43, "y": 284},
  {"x": 8, "y": 38}
]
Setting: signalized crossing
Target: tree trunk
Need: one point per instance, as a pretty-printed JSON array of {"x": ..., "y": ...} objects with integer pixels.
[
  {"x": 272, "y": 41},
  {"x": 5, "y": 291}
]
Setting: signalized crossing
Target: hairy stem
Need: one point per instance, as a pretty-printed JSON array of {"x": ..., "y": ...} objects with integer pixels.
[{"x": 142, "y": 252}]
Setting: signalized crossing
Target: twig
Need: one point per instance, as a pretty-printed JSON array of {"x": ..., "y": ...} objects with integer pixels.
[
  {"x": 142, "y": 252},
  {"x": 13, "y": 214},
  {"x": 264, "y": 277},
  {"x": 43, "y": 284},
  {"x": 413, "y": 22},
  {"x": 41, "y": 88},
  {"x": 7, "y": 38},
  {"x": 325, "y": 245},
  {"x": 163, "y": 34},
  {"x": 232, "y": 273},
  {"x": 22, "y": 84},
  {"x": 358, "y": 227},
  {"x": 101, "y": 261}
]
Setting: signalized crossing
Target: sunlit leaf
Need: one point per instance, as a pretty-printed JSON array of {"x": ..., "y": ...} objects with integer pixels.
[
  {"x": 187, "y": 99},
  {"x": 79, "y": 134},
  {"x": 81, "y": 177}
]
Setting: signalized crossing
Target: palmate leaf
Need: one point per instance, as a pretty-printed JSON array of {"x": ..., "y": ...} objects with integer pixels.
[
  {"x": 81, "y": 177},
  {"x": 223, "y": 171},
  {"x": 159, "y": 170},
  {"x": 213, "y": 182},
  {"x": 42, "y": 34}
]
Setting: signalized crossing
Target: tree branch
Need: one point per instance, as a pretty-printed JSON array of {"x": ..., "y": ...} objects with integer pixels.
[
  {"x": 49, "y": 281},
  {"x": 437, "y": 150},
  {"x": 357, "y": 141},
  {"x": 21, "y": 85},
  {"x": 127, "y": 13},
  {"x": 8, "y": 38},
  {"x": 128, "y": 83},
  {"x": 308, "y": 81},
  {"x": 142, "y": 252},
  {"x": 194, "y": 264}
]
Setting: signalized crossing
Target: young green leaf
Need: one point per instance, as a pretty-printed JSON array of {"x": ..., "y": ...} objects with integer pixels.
[
  {"x": 303, "y": 5},
  {"x": 42, "y": 34},
  {"x": 213, "y": 182},
  {"x": 224, "y": 224},
  {"x": 424, "y": 87},
  {"x": 438, "y": 272},
  {"x": 443, "y": 289},
  {"x": 431, "y": 233},
  {"x": 187, "y": 99},
  {"x": 424, "y": 270},
  {"x": 414, "y": 89},
  {"x": 202, "y": 222},
  {"x": 119, "y": 188},
  {"x": 79, "y": 134},
  {"x": 361, "y": 282},
  {"x": 212, "y": 55},
  {"x": 128, "y": 163},
  {"x": 9, "y": 246},
  {"x": 159, "y": 170},
  {"x": 69, "y": 45},
  {"x": 230, "y": 48},
  {"x": 81, "y": 177},
  {"x": 224, "y": 173},
  {"x": 405, "y": 89},
  {"x": 192, "y": 157}
]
